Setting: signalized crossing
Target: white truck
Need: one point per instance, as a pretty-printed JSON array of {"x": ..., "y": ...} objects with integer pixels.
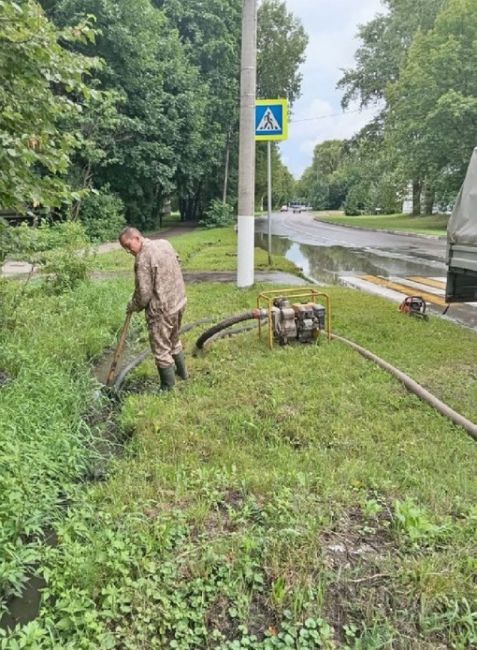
[{"x": 462, "y": 241}]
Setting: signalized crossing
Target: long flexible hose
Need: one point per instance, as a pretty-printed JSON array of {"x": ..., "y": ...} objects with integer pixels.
[
  {"x": 216, "y": 331},
  {"x": 445, "y": 410},
  {"x": 414, "y": 387},
  {"x": 232, "y": 332}
]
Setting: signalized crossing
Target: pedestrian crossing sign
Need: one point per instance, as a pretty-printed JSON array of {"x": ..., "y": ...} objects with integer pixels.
[{"x": 271, "y": 119}]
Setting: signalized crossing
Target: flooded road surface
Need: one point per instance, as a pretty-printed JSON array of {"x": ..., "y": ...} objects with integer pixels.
[
  {"x": 304, "y": 229},
  {"x": 325, "y": 250},
  {"x": 385, "y": 264}
]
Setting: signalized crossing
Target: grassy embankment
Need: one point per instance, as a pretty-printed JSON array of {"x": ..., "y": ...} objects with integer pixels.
[
  {"x": 298, "y": 498},
  {"x": 201, "y": 250},
  {"x": 431, "y": 225}
]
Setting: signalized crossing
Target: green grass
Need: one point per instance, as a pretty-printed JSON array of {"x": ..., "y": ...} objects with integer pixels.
[
  {"x": 431, "y": 225},
  {"x": 201, "y": 250},
  {"x": 46, "y": 446},
  {"x": 294, "y": 498}
]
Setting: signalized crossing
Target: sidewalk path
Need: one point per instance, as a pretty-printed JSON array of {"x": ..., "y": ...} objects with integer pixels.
[
  {"x": 12, "y": 269},
  {"x": 17, "y": 269}
]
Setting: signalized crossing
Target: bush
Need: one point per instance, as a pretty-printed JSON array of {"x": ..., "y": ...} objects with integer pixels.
[
  {"x": 5, "y": 238},
  {"x": 218, "y": 215},
  {"x": 102, "y": 215},
  {"x": 356, "y": 200},
  {"x": 61, "y": 251},
  {"x": 66, "y": 267},
  {"x": 26, "y": 242},
  {"x": 67, "y": 261}
]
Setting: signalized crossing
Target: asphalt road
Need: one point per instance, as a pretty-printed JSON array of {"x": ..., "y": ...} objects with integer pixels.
[{"x": 305, "y": 230}]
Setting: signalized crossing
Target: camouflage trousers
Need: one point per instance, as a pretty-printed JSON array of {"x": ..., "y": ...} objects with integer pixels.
[{"x": 164, "y": 337}]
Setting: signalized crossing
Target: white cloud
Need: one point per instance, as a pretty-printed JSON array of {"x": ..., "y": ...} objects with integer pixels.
[
  {"x": 332, "y": 26},
  {"x": 322, "y": 122}
]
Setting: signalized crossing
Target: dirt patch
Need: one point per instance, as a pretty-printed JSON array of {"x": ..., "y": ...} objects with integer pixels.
[
  {"x": 356, "y": 538},
  {"x": 4, "y": 378},
  {"x": 232, "y": 499},
  {"x": 358, "y": 554},
  {"x": 218, "y": 618},
  {"x": 261, "y": 619},
  {"x": 220, "y": 520}
]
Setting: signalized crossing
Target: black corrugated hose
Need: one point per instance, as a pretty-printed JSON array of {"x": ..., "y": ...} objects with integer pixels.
[{"x": 228, "y": 322}]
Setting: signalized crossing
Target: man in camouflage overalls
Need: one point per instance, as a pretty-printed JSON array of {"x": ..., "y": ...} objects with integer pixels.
[{"x": 160, "y": 291}]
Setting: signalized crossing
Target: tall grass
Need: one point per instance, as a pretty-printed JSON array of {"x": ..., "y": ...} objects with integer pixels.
[{"x": 45, "y": 445}]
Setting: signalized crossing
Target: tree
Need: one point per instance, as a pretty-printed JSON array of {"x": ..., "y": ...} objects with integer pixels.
[
  {"x": 433, "y": 107},
  {"x": 42, "y": 87},
  {"x": 172, "y": 72},
  {"x": 283, "y": 183},
  {"x": 385, "y": 42},
  {"x": 161, "y": 103},
  {"x": 210, "y": 32},
  {"x": 322, "y": 185},
  {"x": 281, "y": 45}
]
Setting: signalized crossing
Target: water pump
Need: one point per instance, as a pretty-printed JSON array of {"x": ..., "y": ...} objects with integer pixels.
[
  {"x": 297, "y": 321},
  {"x": 295, "y": 315}
]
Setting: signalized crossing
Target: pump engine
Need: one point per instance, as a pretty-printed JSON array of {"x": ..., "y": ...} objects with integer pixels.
[{"x": 298, "y": 321}]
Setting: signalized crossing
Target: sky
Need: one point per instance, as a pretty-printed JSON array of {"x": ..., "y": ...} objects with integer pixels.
[{"x": 332, "y": 26}]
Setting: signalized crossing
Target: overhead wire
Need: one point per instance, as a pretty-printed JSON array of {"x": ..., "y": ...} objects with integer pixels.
[{"x": 324, "y": 117}]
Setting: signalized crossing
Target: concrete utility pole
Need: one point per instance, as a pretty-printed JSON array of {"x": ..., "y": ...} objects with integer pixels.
[{"x": 246, "y": 189}]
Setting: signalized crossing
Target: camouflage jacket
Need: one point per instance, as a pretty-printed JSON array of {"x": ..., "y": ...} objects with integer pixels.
[{"x": 158, "y": 278}]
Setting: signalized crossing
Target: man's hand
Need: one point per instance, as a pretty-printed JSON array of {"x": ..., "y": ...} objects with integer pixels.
[{"x": 130, "y": 308}]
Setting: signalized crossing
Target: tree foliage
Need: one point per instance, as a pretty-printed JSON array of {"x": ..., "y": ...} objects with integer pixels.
[
  {"x": 144, "y": 109},
  {"x": 385, "y": 41},
  {"x": 418, "y": 61},
  {"x": 283, "y": 183},
  {"x": 433, "y": 106},
  {"x": 323, "y": 184},
  {"x": 281, "y": 44},
  {"x": 43, "y": 86}
]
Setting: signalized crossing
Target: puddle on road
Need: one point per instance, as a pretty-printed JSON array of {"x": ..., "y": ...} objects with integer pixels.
[{"x": 326, "y": 264}]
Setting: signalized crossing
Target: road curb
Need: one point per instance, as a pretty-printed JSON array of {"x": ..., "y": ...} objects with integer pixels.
[{"x": 389, "y": 232}]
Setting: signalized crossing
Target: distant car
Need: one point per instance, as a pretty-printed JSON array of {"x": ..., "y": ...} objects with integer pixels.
[{"x": 284, "y": 208}]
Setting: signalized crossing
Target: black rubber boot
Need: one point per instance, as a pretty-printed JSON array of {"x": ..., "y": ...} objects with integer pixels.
[
  {"x": 168, "y": 378},
  {"x": 181, "y": 367}
]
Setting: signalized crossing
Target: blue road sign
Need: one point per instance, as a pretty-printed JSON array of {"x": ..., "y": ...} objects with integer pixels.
[{"x": 271, "y": 119}]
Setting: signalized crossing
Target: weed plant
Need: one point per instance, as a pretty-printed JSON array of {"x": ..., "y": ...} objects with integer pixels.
[{"x": 44, "y": 442}]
